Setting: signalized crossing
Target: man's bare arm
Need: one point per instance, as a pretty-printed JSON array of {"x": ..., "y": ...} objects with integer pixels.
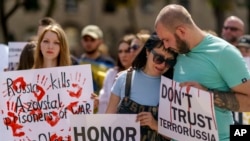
[
  {"x": 226, "y": 100},
  {"x": 238, "y": 99}
]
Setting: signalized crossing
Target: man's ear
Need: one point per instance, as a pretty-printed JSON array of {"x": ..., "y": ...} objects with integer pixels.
[{"x": 181, "y": 31}]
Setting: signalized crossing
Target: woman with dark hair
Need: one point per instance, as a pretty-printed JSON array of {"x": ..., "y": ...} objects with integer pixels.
[
  {"x": 124, "y": 61},
  {"x": 26, "y": 60},
  {"x": 141, "y": 97}
]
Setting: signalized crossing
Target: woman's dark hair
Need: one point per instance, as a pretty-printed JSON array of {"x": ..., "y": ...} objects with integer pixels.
[
  {"x": 26, "y": 59},
  {"x": 141, "y": 58},
  {"x": 45, "y": 21}
]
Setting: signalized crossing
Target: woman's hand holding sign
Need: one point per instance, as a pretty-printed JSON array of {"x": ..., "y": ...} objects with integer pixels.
[{"x": 146, "y": 119}]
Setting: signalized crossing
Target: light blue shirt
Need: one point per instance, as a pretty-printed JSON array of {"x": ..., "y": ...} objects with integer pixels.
[{"x": 145, "y": 89}]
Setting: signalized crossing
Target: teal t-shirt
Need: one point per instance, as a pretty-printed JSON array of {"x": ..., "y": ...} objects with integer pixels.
[{"x": 215, "y": 64}]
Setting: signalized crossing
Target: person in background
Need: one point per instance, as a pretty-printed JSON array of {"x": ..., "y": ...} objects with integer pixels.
[
  {"x": 200, "y": 64},
  {"x": 143, "y": 97},
  {"x": 124, "y": 61},
  {"x": 138, "y": 42},
  {"x": 43, "y": 23},
  {"x": 91, "y": 39},
  {"x": 233, "y": 28},
  {"x": 52, "y": 48},
  {"x": 243, "y": 45},
  {"x": 26, "y": 60}
]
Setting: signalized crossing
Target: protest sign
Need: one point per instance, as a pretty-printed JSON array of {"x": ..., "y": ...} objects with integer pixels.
[
  {"x": 105, "y": 127},
  {"x": 15, "y": 50},
  {"x": 4, "y": 53},
  {"x": 186, "y": 114},
  {"x": 36, "y": 104}
]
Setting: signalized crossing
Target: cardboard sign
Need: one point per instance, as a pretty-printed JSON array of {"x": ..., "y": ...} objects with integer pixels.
[
  {"x": 186, "y": 114},
  {"x": 105, "y": 127},
  {"x": 36, "y": 104}
]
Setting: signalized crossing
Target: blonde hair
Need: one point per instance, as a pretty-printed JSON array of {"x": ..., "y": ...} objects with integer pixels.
[
  {"x": 63, "y": 58},
  {"x": 142, "y": 36}
]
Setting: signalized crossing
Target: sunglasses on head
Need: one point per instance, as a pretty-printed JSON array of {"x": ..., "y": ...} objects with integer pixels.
[
  {"x": 159, "y": 59},
  {"x": 231, "y": 28},
  {"x": 134, "y": 47}
]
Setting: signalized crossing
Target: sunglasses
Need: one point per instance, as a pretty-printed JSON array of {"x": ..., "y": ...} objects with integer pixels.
[
  {"x": 134, "y": 47},
  {"x": 159, "y": 59},
  {"x": 230, "y": 28}
]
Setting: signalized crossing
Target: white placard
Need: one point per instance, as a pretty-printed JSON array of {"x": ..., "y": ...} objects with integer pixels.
[
  {"x": 36, "y": 104},
  {"x": 105, "y": 127},
  {"x": 186, "y": 114},
  {"x": 15, "y": 50}
]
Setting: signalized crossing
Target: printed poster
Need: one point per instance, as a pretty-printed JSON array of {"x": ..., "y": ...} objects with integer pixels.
[
  {"x": 186, "y": 114},
  {"x": 105, "y": 127},
  {"x": 36, "y": 104}
]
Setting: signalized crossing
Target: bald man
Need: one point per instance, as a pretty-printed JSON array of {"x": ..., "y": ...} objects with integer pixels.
[
  {"x": 206, "y": 62},
  {"x": 233, "y": 28}
]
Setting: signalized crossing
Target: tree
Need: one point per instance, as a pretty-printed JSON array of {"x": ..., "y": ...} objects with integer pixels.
[
  {"x": 29, "y": 5},
  {"x": 6, "y": 15},
  {"x": 246, "y": 3},
  {"x": 220, "y": 7}
]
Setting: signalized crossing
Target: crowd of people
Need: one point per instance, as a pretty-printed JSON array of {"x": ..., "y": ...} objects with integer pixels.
[{"x": 178, "y": 49}]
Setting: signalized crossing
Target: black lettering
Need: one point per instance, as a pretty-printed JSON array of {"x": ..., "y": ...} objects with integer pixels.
[
  {"x": 174, "y": 112},
  {"x": 209, "y": 120},
  {"x": 79, "y": 134},
  {"x": 130, "y": 134},
  {"x": 42, "y": 137},
  {"x": 19, "y": 105},
  {"x": 95, "y": 130},
  {"x": 164, "y": 91},
  {"x": 201, "y": 122},
  {"x": 189, "y": 96},
  {"x": 53, "y": 81},
  {"x": 9, "y": 87},
  {"x": 116, "y": 130},
  {"x": 190, "y": 118},
  {"x": 182, "y": 115},
  {"x": 106, "y": 134}
]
